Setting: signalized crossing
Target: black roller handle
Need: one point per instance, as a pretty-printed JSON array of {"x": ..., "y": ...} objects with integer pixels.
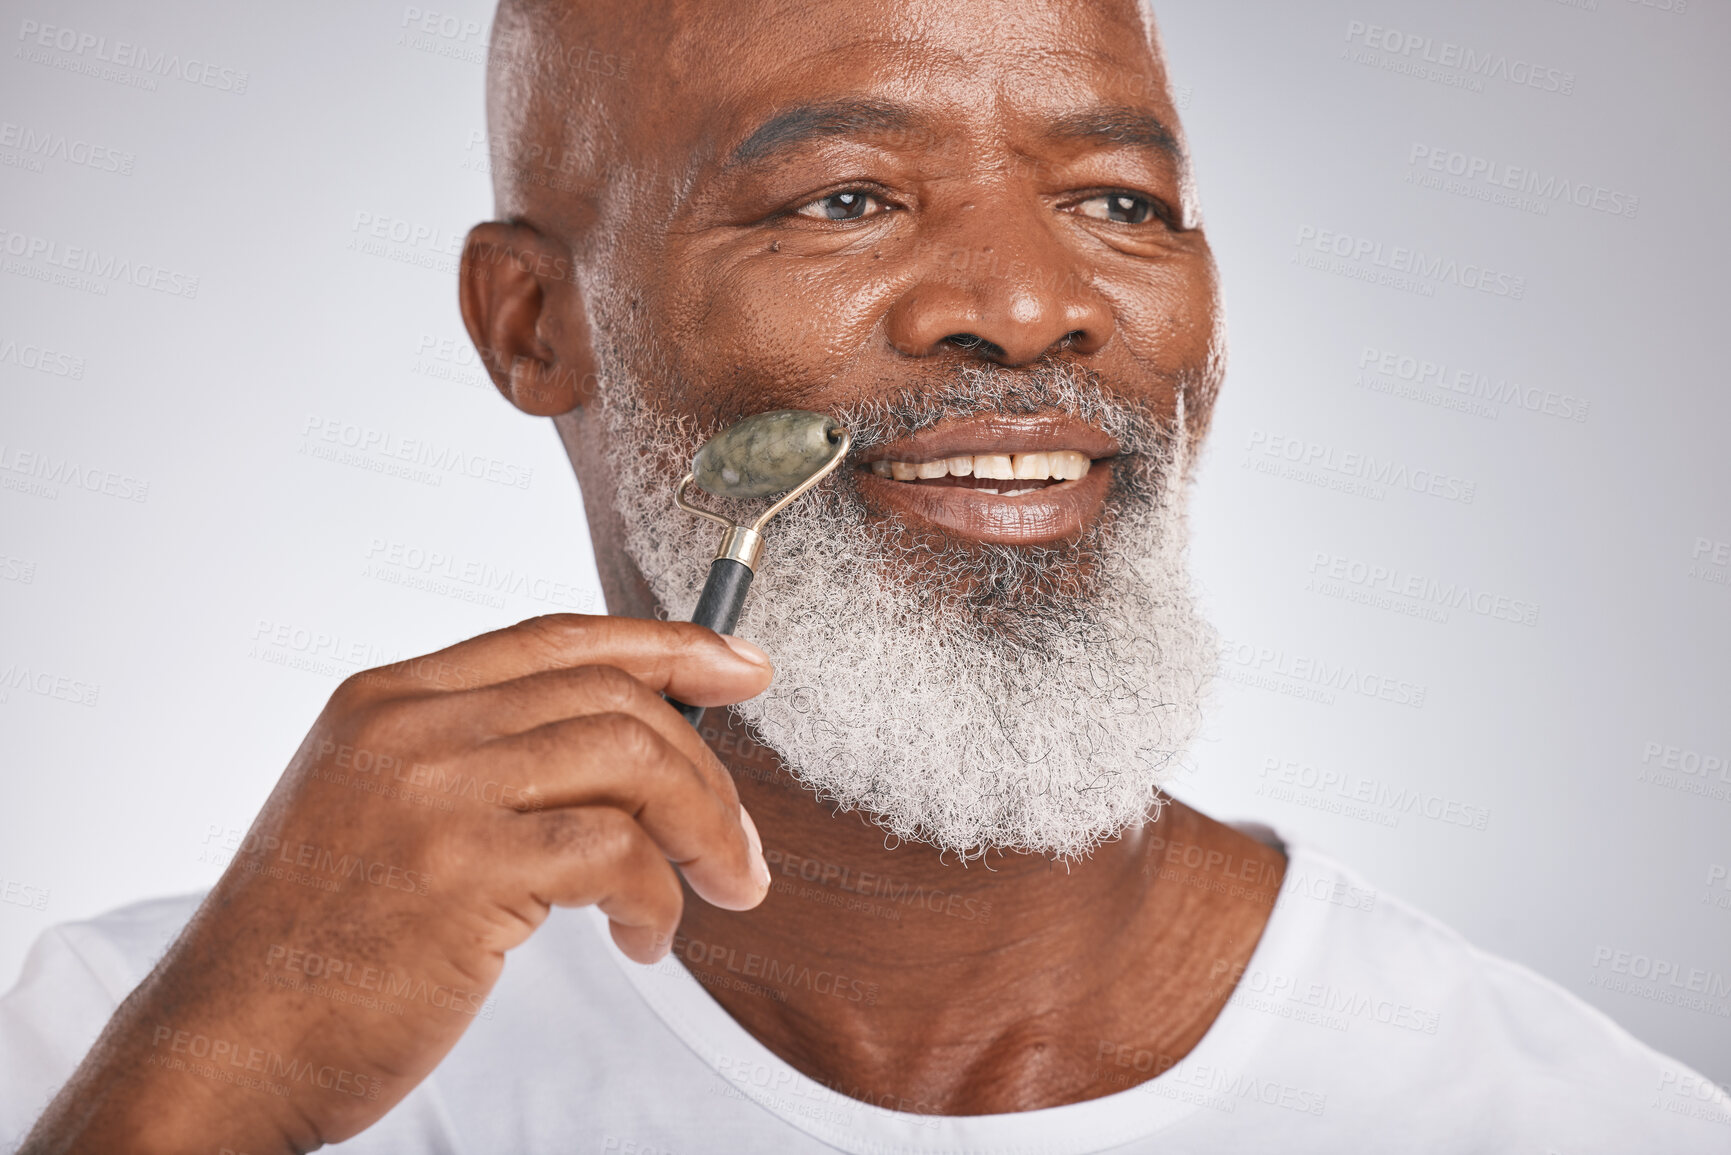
[{"x": 718, "y": 608}]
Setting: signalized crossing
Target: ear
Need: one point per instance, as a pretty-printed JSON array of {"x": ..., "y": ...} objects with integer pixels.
[{"x": 525, "y": 315}]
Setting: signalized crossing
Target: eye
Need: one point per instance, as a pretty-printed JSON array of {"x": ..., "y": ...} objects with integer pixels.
[
  {"x": 1120, "y": 208},
  {"x": 843, "y": 206}
]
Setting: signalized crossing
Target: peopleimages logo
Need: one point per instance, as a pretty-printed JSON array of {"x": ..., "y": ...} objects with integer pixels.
[
  {"x": 1265, "y": 990},
  {"x": 1398, "y": 266},
  {"x": 1223, "y": 1089},
  {"x": 23, "y": 894},
  {"x": 1710, "y": 561},
  {"x": 414, "y": 458},
  {"x": 43, "y": 144},
  {"x": 1336, "y": 575},
  {"x": 1518, "y": 186},
  {"x": 466, "y": 579},
  {"x": 1381, "y": 802},
  {"x": 88, "y": 269},
  {"x": 1662, "y": 980},
  {"x": 41, "y": 473},
  {"x": 1349, "y": 471},
  {"x": 1689, "y": 771},
  {"x": 86, "y": 52},
  {"x": 291, "y": 637},
  {"x": 1312, "y": 678},
  {"x": 46, "y": 684},
  {"x": 460, "y": 38},
  {"x": 1458, "y": 65},
  {"x": 414, "y": 234},
  {"x": 1466, "y": 386},
  {"x": 40, "y": 358}
]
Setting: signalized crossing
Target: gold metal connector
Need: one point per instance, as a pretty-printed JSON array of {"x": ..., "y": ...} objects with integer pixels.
[{"x": 742, "y": 544}]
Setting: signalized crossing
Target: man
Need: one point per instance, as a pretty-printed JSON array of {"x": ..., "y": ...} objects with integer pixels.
[{"x": 913, "y": 893}]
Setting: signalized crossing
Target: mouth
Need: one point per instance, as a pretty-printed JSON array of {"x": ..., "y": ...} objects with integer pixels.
[{"x": 1014, "y": 480}]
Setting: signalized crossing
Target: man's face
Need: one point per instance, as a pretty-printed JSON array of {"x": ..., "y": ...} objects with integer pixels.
[
  {"x": 839, "y": 205},
  {"x": 965, "y": 230}
]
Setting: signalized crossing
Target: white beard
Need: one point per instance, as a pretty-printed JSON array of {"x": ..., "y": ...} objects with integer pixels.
[{"x": 1040, "y": 710}]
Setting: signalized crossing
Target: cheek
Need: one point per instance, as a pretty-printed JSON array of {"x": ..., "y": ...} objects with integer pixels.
[
  {"x": 766, "y": 330},
  {"x": 1168, "y": 318}
]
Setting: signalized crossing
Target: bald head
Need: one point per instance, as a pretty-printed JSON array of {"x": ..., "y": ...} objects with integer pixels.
[{"x": 556, "y": 79}]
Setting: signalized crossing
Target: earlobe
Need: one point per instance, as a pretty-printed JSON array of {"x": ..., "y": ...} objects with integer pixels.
[{"x": 521, "y": 306}]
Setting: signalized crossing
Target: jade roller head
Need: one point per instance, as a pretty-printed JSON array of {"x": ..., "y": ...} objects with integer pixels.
[
  {"x": 768, "y": 453},
  {"x": 787, "y": 452}
]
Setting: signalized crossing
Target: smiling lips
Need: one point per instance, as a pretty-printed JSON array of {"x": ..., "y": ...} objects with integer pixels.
[
  {"x": 1008, "y": 480},
  {"x": 999, "y": 474}
]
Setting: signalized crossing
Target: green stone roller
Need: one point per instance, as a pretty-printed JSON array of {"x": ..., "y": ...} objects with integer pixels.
[{"x": 787, "y": 451}]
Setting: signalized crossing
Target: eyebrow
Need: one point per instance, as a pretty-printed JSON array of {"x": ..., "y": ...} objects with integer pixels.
[
  {"x": 809, "y": 122},
  {"x": 1118, "y": 125},
  {"x": 1113, "y": 124}
]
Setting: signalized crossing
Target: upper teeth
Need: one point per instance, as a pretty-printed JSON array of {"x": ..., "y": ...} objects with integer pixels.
[{"x": 1059, "y": 465}]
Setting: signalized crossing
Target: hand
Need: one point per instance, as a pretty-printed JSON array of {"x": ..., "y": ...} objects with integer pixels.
[{"x": 437, "y": 811}]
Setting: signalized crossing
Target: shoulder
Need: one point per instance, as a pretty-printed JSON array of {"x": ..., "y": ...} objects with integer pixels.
[{"x": 1502, "y": 1050}]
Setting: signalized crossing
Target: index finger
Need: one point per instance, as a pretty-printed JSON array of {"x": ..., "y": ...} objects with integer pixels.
[{"x": 690, "y": 662}]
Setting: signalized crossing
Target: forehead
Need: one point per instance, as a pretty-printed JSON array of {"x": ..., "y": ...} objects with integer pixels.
[{"x": 735, "y": 65}]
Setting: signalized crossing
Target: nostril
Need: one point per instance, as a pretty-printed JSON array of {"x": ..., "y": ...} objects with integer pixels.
[{"x": 969, "y": 343}]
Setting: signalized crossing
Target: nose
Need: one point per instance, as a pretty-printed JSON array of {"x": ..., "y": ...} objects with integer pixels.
[{"x": 1001, "y": 284}]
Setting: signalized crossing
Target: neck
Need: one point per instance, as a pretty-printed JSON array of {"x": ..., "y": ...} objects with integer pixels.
[{"x": 897, "y": 975}]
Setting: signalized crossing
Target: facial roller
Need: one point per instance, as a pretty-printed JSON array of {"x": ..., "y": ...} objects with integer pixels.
[{"x": 787, "y": 451}]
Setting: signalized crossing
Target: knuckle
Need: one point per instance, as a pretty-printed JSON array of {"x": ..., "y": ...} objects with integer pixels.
[
  {"x": 598, "y": 833},
  {"x": 555, "y": 633},
  {"x": 355, "y": 691},
  {"x": 610, "y": 689},
  {"x": 390, "y": 725},
  {"x": 689, "y": 636},
  {"x": 631, "y": 738}
]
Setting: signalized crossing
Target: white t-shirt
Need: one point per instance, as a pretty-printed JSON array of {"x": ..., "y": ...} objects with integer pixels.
[{"x": 1360, "y": 1025}]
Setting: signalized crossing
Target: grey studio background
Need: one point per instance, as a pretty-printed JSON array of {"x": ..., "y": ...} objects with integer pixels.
[{"x": 1463, "y": 523}]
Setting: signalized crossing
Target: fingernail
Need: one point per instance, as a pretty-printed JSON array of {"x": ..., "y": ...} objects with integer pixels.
[
  {"x": 759, "y": 867},
  {"x": 746, "y": 650}
]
